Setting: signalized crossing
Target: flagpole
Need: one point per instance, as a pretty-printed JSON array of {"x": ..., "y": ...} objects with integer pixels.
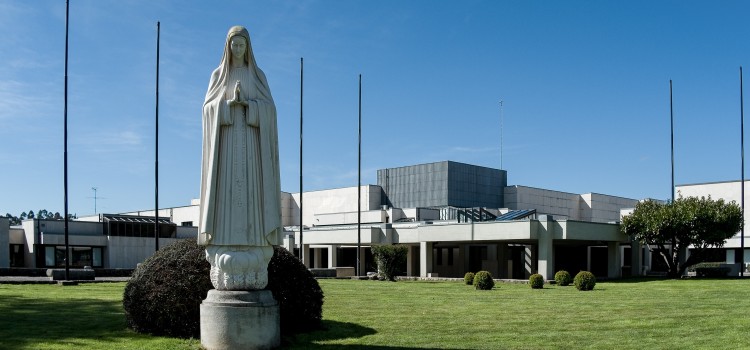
[
  {"x": 301, "y": 223},
  {"x": 742, "y": 183},
  {"x": 65, "y": 141},
  {"x": 359, "y": 180},
  {"x": 671, "y": 132},
  {"x": 156, "y": 146}
]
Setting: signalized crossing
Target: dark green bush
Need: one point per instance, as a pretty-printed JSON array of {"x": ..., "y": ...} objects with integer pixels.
[
  {"x": 584, "y": 280},
  {"x": 297, "y": 291},
  {"x": 536, "y": 281},
  {"x": 563, "y": 278},
  {"x": 721, "y": 271},
  {"x": 483, "y": 280},
  {"x": 164, "y": 294},
  {"x": 469, "y": 278},
  {"x": 390, "y": 258}
]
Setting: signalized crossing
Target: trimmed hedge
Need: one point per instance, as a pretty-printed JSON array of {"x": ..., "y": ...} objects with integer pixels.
[
  {"x": 164, "y": 294},
  {"x": 483, "y": 280},
  {"x": 469, "y": 278},
  {"x": 297, "y": 291},
  {"x": 563, "y": 278},
  {"x": 536, "y": 281},
  {"x": 584, "y": 280}
]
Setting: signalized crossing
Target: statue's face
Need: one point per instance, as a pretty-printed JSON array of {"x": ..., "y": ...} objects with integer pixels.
[{"x": 238, "y": 47}]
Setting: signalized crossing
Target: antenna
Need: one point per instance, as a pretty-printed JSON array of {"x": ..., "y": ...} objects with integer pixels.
[{"x": 95, "y": 188}]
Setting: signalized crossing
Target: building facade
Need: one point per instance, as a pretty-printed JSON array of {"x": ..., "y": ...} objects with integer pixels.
[{"x": 452, "y": 216}]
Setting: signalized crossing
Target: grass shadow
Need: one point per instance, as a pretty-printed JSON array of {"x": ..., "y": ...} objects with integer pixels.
[
  {"x": 26, "y": 321},
  {"x": 336, "y": 330}
]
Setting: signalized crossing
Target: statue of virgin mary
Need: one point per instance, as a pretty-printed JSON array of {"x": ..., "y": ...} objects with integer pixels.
[{"x": 240, "y": 217}]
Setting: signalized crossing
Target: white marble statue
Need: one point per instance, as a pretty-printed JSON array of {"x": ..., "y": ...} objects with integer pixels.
[{"x": 240, "y": 215}]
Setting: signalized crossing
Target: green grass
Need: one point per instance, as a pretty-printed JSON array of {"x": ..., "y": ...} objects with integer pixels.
[{"x": 649, "y": 314}]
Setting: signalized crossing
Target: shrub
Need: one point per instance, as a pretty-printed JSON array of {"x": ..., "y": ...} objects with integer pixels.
[
  {"x": 297, "y": 291},
  {"x": 390, "y": 259},
  {"x": 469, "y": 278},
  {"x": 721, "y": 271},
  {"x": 584, "y": 280},
  {"x": 483, "y": 280},
  {"x": 536, "y": 281},
  {"x": 164, "y": 294},
  {"x": 563, "y": 278}
]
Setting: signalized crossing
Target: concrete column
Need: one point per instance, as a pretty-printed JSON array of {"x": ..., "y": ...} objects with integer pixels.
[
  {"x": 636, "y": 256},
  {"x": 306, "y": 255},
  {"x": 332, "y": 258},
  {"x": 425, "y": 258},
  {"x": 614, "y": 259},
  {"x": 288, "y": 243},
  {"x": 529, "y": 260},
  {"x": 545, "y": 251},
  {"x": 317, "y": 252}
]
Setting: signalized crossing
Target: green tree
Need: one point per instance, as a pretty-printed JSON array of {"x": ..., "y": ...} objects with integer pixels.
[
  {"x": 692, "y": 222},
  {"x": 390, "y": 259}
]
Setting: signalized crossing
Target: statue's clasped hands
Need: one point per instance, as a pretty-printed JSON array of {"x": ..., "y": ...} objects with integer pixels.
[{"x": 237, "y": 93}]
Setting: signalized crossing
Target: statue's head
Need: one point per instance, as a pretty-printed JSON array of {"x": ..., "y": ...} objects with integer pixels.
[{"x": 238, "y": 44}]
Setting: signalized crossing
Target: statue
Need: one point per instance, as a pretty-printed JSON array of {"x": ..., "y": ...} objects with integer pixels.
[{"x": 240, "y": 218}]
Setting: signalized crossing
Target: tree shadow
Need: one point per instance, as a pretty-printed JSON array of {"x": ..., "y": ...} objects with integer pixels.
[
  {"x": 335, "y": 330},
  {"x": 26, "y": 322}
]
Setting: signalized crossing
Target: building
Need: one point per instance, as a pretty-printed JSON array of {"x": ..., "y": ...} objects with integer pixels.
[{"x": 453, "y": 217}]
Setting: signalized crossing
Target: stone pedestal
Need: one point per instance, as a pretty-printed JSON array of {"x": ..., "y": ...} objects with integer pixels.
[{"x": 240, "y": 320}]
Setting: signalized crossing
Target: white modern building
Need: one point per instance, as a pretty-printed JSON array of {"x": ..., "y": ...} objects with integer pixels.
[{"x": 453, "y": 217}]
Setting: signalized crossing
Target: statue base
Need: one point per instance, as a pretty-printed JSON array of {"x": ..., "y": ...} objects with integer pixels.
[{"x": 240, "y": 320}]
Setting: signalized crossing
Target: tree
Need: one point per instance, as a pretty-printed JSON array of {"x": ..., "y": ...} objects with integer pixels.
[
  {"x": 697, "y": 223},
  {"x": 390, "y": 259}
]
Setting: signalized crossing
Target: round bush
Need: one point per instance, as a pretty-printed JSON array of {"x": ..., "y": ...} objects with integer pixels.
[
  {"x": 297, "y": 291},
  {"x": 164, "y": 294},
  {"x": 563, "y": 278},
  {"x": 483, "y": 280},
  {"x": 469, "y": 278},
  {"x": 536, "y": 281},
  {"x": 584, "y": 280}
]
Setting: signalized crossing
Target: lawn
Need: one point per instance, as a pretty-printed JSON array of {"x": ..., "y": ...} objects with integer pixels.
[{"x": 646, "y": 314}]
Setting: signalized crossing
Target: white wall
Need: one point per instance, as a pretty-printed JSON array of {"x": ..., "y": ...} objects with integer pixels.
[
  {"x": 340, "y": 200},
  {"x": 592, "y": 207},
  {"x": 127, "y": 252},
  {"x": 728, "y": 191}
]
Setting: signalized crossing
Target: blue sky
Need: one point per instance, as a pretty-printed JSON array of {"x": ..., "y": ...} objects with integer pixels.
[{"x": 585, "y": 86}]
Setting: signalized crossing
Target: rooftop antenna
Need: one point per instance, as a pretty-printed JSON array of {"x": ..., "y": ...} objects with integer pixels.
[{"x": 95, "y": 188}]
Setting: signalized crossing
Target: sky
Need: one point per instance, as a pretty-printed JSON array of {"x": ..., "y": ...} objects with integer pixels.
[{"x": 584, "y": 85}]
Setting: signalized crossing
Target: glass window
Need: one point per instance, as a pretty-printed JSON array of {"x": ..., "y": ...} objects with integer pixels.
[
  {"x": 49, "y": 256},
  {"x": 97, "y": 256}
]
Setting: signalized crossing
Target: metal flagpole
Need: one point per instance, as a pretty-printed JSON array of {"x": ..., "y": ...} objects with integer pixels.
[
  {"x": 742, "y": 183},
  {"x": 671, "y": 132},
  {"x": 359, "y": 180},
  {"x": 301, "y": 223},
  {"x": 501, "y": 134},
  {"x": 156, "y": 146},
  {"x": 65, "y": 141}
]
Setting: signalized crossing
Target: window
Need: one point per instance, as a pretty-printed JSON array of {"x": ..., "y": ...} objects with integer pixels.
[{"x": 54, "y": 256}]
